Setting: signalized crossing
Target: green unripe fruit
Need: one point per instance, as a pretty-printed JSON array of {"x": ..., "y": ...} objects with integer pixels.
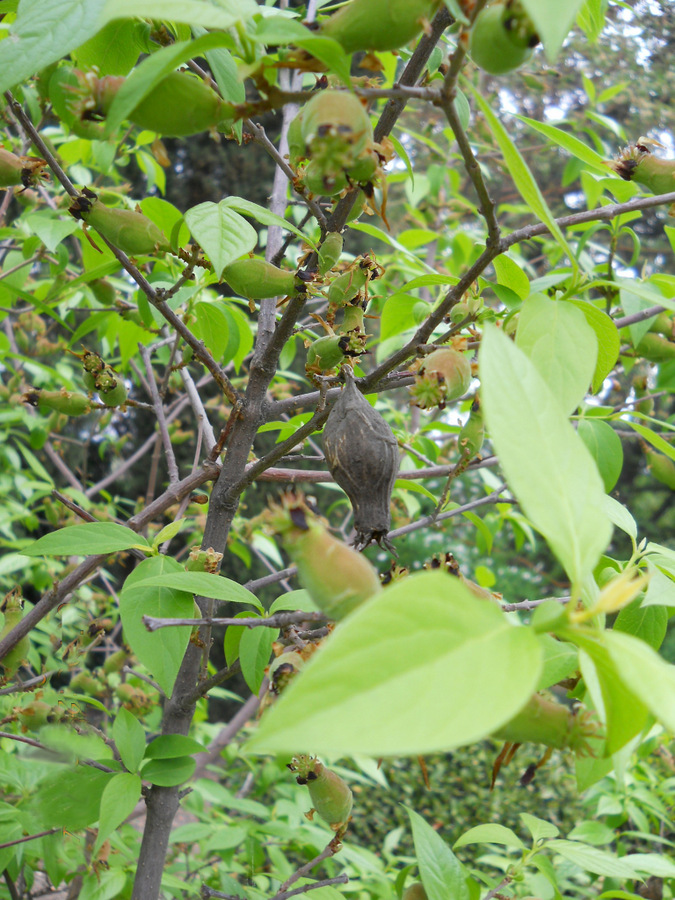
[
  {"x": 326, "y": 182},
  {"x": 12, "y": 607},
  {"x": 378, "y": 24},
  {"x": 296, "y": 142},
  {"x": 443, "y": 377},
  {"x": 352, "y": 320},
  {"x": 472, "y": 435},
  {"x": 502, "y": 38},
  {"x": 346, "y": 286},
  {"x": 36, "y": 715},
  {"x": 336, "y": 129},
  {"x": 24, "y": 170},
  {"x": 116, "y": 662},
  {"x": 655, "y": 347},
  {"x": 330, "y": 795},
  {"x": 110, "y": 386},
  {"x": 103, "y": 290},
  {"x": 415, "y": 892},
  {"x": 180, "y": 105},
  {"x": 127, "y": 229},
  {"x": 257, "y": 279},
  {"x": 337, "y": 577},
  {"x": 636, "y": 163},
  {"x": 326, "y": 353},
  {"x": 85, "y": 683},
  {"x": 662, "y": 467},
  {"x": 421, "y": 310},
  {"x": 664, "y": 324},
  {"x": 69, "y": 403},
  {"x": 330, "y": 251},
  {"x": 543, "y": 721},
  {"x": 364, "y": 167}
]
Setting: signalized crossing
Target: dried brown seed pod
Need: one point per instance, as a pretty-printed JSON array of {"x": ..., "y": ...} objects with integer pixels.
[{"x": 362, "y": 455}]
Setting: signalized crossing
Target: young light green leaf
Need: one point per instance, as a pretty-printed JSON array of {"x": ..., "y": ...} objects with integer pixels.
[
  {"x": 552, "y": 20},
  {"x": 492, "y": 833},
  {"x": 652, "y": 438},
  {"x": 222, "y": 233},
  {"x": 169, "y": 772},
  {"x": 379, "y": 685},
  {"x": 545, "y": 461},
  {"x": 171, "y": 746},
  {"x": 169, "y": 531},
  {"x": 618, "y": 515},
  {"x": 119, "y": 798},
  {"x": 538, "y": 828},
  {"x": 661, "y": 589},
  {"x": 264, "y": 216},
  {"x": 255, "y": 650},
  {"x": 568, "y": 142},
  {"x": 604, "y": 445},
  {"x": 562, "y": 345},
  {"x": 520, "y": 172},
  {"x": 162, "y": 651},
  {"x": 609, "y": 342},
  {"x": 441, "y": 872},
  {"x": 202, "y": 583},
  {"x": 87, "y": 539},
  {"x": 129, "y": 738},
  {"x": 600, "y": 862}
]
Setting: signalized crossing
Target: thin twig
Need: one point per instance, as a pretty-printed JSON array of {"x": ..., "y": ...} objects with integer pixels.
[
  {"x": 532, "y": 604},
  {"x": 277, "y": 620},
  {"x": 170, "y": 456},
  {"x": 505, "y": 882},
  {"x": 339, "y": 879},
  {"x": 328, "y": 851},
  {"x": 639, "y": 316},
  {"x": 30, "y": 837}
]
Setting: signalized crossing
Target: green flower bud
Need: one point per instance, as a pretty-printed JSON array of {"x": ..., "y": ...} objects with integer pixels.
[
  {"x": 378, "y": 24},
  {"x": 330, "y": 795},
  {"x": 204, "y": 561},
  {"x": 330, "y": 251},
  {"x": 127, "y": 229},
  {"x": 502, "y": 37},
  {"x": 443, "y": 377},
  {"x": 67, "y": 402},
  {"x": 257, "y": 279},
  {"x": 337, "y": 577}
]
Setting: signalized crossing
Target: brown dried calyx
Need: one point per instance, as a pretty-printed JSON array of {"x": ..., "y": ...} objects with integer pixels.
[{"x": 362, "y": 455}]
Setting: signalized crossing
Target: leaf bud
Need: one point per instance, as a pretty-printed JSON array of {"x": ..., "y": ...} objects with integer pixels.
[{"x": 443, "y": 376}]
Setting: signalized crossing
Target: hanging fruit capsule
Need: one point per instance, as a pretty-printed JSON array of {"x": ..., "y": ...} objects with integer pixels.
[
  {"x": 472, "y": 435},
  {"x": 324, "y": 180},
  {"x": 362, "y": 456},
  {"x": 636, "y": 162},
  {"x": 345, "y": 287},
  {"x": 69, "y": 403},
  {"x": 337, "y": 578},
  {"x": 645, "y": 404},
  {"x": 25, "y": 170},
  {"x": 127, "y": 229},
  {"x": 257, "y": 279},
  {"x": 331, "y": 797},
  {"x": 365, "y": 166},
  {"x": 656, "y": 348},
  {"x": 182, "y": 104},
  {"x": 664, "y": 324},
  {"x": 12, "y": 607},
  {"x": 330, "y": 251},
  {"x": 443, "y": 377},
  {"x": 336, "y": 129},
  {"x": 502, "y": 37},
  {"x": 378, "y": 24},
  {"x": 543, "y": 721}
]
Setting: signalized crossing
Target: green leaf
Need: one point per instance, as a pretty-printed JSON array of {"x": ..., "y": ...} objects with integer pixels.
[
  {"x": 83, "y": 540},
  {"x": 441, "y": 872},
  {"x": 169, "y": 531},
  {"x": 490, "y": 834},
  {"x": 379, "y": 685},
  {"x": 552, "y": 20},
  {"x": 568, "y": 142},
  {"x": 50, "y": 229},
  {"x": 103, "y": 885},
  {"x": 609, "y": 342},
  {"x": 604, "y": 445},
  {"x": 511, "y": 275},
  {"x": 224, "y": 14},
  {"x": 129, "y": 737},
  {"x": 222, "y": 233},
  {"x": 618, "y": 515},
  {"x": 600, "y": 862},
  {"x": 264, "y": 216},
  {"x": 118, "y": 801},
  {"x": 293, "y": 600},
  {"x": 540, "y": 829},
  {"x": 330, "y": 52},
  {"x": 562, "y": 346},
  {"x": 255, "y": 649},
  {"x": 560, "y": 660},
  {"x": 169, "y": 772},
  {"x": 651, "y": 437},
  {"x": 545, "y": 461},
  {"x": 70, "y": 798},
  {"x": 113, "y": 51},
  {"x": 170, "y": 746},
  {"x": 204, "y": 584},
  {"x": 596, "y": 833},
  {"x": 661, "y": 589},
  {"x": 160, "y": 652},
  {"x": 647, "y": 622},
  {"x": 217, "y": 328},
  {"x": 518, "y": 169}
]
